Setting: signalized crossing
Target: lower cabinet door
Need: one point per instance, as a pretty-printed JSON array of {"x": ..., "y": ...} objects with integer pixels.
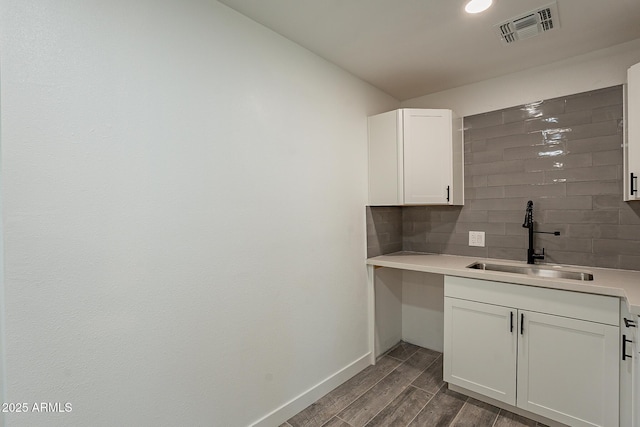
[
  {"x": 480, "y": 348},
  {"x": 568, "y": 369},
  {"x": 635, "y": 393}
]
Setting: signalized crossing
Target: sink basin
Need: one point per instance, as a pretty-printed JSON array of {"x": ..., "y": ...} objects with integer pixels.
[{"x": 534, "y": 270}]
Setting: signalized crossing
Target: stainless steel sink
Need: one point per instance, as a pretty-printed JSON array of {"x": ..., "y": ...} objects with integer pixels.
[{"x": 534, "y": 270}]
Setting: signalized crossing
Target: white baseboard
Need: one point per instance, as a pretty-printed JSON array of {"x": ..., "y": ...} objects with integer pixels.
[{"x": 297, "y": 404}]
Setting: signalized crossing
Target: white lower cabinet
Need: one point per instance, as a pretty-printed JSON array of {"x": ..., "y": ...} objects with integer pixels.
[
  {"x": 629, "y": 369},
  {"x": 479, "y": 350},
  {"x": 553, "y": 353},
  {"x": 568, "y": 370},
  {"x": 636, "y": 377}
]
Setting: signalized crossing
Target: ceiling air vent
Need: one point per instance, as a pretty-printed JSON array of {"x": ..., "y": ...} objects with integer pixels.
[{"x": 529, "y": 24}]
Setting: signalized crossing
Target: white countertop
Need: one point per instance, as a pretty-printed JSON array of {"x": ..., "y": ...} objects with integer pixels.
[{"x": 606, "y": 281}]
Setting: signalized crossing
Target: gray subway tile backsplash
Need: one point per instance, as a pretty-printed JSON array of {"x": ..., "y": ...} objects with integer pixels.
[
  {"x": 540, "y": 151},
  {"x": 594, "y": 99},
  {"x": 629, "y": 262},
  {"x": 594, "y": 173},
  {"x": 594, "y": 188},
  {"x": 533, "y": 110},
  {"x": 594, "y": 144},
  {"x": 616, "y": 247},
  {"x": 507, "y": 217},
  {"x": 612, "y": 157},
  {"x": 558, "y": 121},
  {"x": 570, "y": 216},
  {"x": 562, "y": 162},
  {"x": 515, "y": 178},
  {"x": 497, "y": 167},
  {"x": 384, "y": 230},
  {"x": 611, "y": 112},
  {"x": 565, "y": 154},
  {"x": 536, "y": 190},
  {"x": 473, "y": 134}
]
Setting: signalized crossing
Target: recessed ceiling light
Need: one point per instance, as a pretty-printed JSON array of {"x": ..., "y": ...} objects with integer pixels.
[{"x": 477, "y": 6}]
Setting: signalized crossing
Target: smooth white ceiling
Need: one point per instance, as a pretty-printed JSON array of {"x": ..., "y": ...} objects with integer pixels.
[{"x": 410, "y": 48}]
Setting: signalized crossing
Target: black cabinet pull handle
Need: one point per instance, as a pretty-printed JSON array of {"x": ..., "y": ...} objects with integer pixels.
[
  {"x": 634, "y": 180},
  {"x": 448, "y": 193},
  {"x": 511, "y": 321},
  {"x": 521, "y": 323},
  {"x": 624, "y": 348},
  {"x": 629, "y": 323}
]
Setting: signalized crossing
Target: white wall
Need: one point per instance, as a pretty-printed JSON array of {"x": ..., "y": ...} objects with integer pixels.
[
  {"x": 409, "y": 306},
  {"x": 423, "y": 309},
  {"x": 183, "y": 205},
  {"x": 388, "y": 309},
  {"x": 595, "y": 70}
]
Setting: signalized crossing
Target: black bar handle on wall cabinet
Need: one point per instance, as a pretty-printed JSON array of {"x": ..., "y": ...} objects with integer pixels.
[
  {"x": 449, "y": 191},
  {"x": 633, "y": 184},
  {"x": 511, "y": 321},
  {"x": 629, "y": 323},
  {"x": 521, "y": 323},
  {"x": 624, "y": 347}
]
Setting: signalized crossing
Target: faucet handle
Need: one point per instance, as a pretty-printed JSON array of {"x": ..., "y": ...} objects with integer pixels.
[{"x": 539, "y": 256}]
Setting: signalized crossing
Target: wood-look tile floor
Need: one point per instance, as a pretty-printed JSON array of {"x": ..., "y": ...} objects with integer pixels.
[{"x": 404, "y": 388}]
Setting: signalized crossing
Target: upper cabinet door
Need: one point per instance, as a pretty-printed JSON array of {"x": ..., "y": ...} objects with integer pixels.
[
  {"x": 416, "y": 158},
  {"x": 427, "y": 156},
  {"x": 632, "y": 142},
  {"x": 385, "y": 159}
]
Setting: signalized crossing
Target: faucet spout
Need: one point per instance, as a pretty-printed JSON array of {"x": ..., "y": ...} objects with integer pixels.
[{"x": 528, "y": 216}]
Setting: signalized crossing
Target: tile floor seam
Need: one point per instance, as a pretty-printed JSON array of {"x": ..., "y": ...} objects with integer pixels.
[
  {"x": 429, "y": 365},
  {"x": 411, "y": 355},
  {"x": 458, "y": 413},
  {"x": 496, "y": 420},
  {"x": 346, "y": 422},
  {"x": 404, "y": 388},
  {"x": 424, "y": 406},
  {"x": 425, "y": 370},
  {"x": 394, "y": 398},
  {"x": 420, "y": 388},
  {"x": 399, "y": 345},
  {"x": 366, "y": 390}
]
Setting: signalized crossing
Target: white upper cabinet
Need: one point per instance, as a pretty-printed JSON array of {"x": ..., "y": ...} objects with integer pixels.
[
  {"x": 632, "y": 143},
  {"x": 416, "y": 158}
]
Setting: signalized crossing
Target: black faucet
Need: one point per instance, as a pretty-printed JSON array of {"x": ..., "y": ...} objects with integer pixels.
[{"x": 532, "y": 256}]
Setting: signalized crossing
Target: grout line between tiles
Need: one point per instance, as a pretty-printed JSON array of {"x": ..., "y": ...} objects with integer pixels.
[
  {"x": 434, "y": 361},
  {"x": 403, "y": 389},
  {"x": 458, "y": 414},
  {"x": 335, "y": 416},
  {"x": 365, "y": 391},
  {"x": 498, "y": 416},
  {"x": 385, "y": 406},
  {"x": 424, "y": 406}
]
